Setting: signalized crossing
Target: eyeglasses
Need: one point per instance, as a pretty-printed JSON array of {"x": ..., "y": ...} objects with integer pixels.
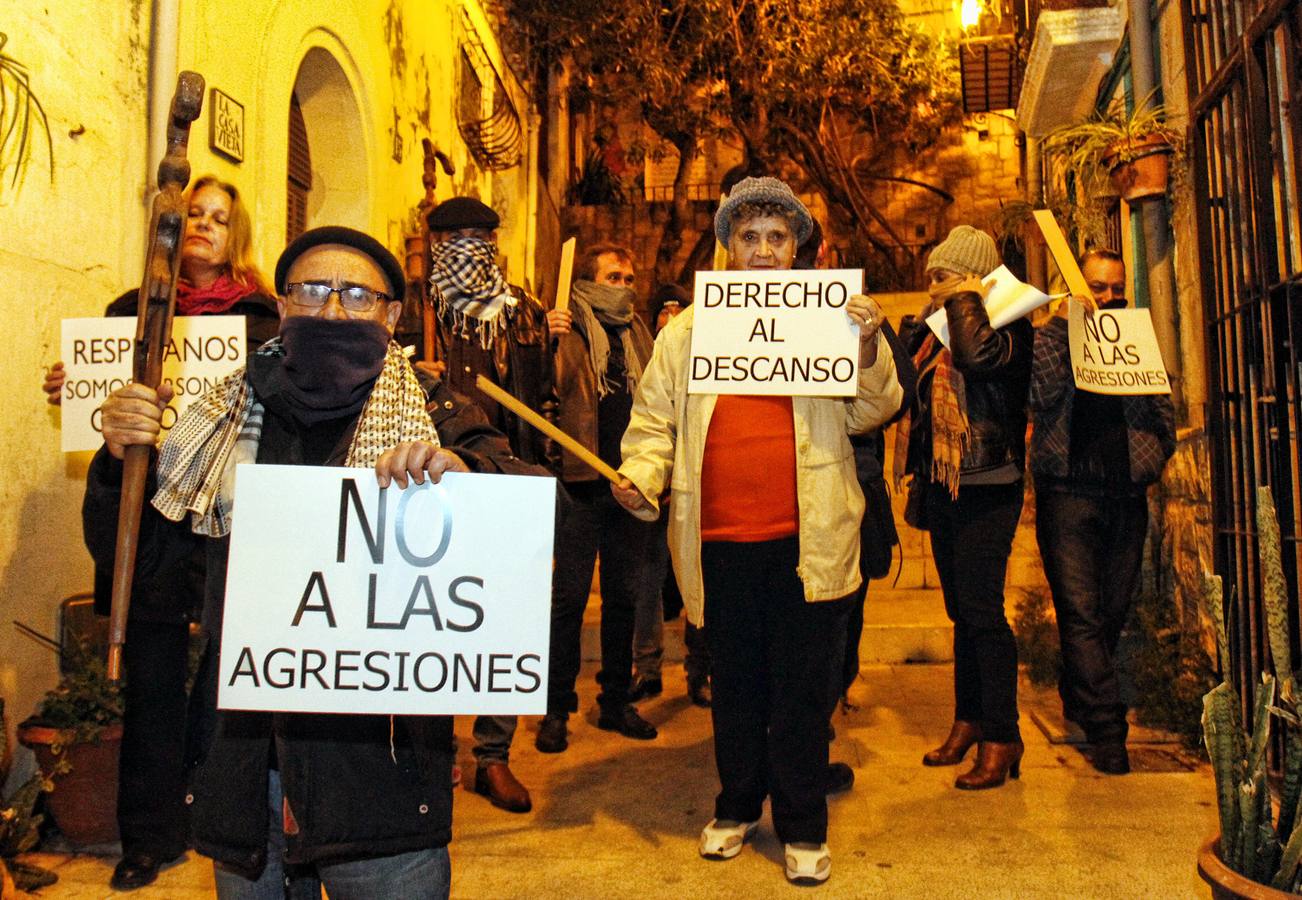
[{"x": 314, "y": 294}]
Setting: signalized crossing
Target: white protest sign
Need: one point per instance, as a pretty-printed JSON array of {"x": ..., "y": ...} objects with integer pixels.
[
  {"x": 345, "y": 598},
  {"x": 1114, "y": 351},
  {"x": 775, "y": 333},
  {"x": 97, "y": 356},
  {"x": 1007, "y": 301}
]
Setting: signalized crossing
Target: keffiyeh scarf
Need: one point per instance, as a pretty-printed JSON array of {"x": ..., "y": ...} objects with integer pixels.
[
  {"x": 196, "y": 465},
  {"x": 469, "y": 288}
]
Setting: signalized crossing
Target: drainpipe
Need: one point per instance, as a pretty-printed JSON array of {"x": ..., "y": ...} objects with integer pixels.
[
  {"x": 1163, "y": 302},
  {"x": 1036, "y": 271},
  {"x": 163, "y": 53}
]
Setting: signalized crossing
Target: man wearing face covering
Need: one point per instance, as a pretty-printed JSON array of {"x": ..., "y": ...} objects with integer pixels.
[
  {"x": 365, "y": 800},
  {"x": 603, "y": 349},
  {"x": 488, "y": 327}
]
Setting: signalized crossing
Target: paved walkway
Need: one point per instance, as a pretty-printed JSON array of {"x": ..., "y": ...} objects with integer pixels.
[{"x": 615, "y": 818}]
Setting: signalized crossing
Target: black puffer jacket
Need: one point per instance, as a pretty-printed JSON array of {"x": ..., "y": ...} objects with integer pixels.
[{"x": 996, "y": 369}]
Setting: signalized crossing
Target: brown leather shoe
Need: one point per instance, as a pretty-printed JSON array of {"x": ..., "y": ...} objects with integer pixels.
[
  {"x": 961, "y": 736},
  {"x": 496, "y": 782},
  {"x": 995, "y": 763}
]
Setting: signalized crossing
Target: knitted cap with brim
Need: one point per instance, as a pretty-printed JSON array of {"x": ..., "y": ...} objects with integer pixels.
[
  {"x": 761, "y": 190},
  {"x": 966, "y": 251},
  {"x": 348, "y": 237}
]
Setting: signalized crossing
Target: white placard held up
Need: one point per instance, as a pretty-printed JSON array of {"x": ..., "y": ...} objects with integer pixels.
[
  {"x": 345, "y": 598},
  {"x": 1115, "y": 351},
  {"x": 1007, "y": 301},
  {"x": 775, "y": 333},
  {"x": 97, "y": 356}
]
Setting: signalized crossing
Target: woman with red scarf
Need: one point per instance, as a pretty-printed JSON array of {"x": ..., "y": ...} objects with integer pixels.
[{"x": 218, "y": 277}]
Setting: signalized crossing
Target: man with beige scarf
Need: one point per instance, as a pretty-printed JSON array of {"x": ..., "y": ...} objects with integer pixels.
[{"x": 602, "y": 349}]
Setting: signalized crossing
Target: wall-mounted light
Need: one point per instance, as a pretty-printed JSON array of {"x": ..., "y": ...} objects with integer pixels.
[{"x": 970, "y": 13}]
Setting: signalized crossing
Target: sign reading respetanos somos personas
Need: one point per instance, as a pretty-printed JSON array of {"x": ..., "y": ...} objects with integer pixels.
[
  {"x": 97, "y": 356},
  {"x": 342, "y": 597},
  {"x": 1115, "y": 351},
  {"x": 777, "y": 332}
]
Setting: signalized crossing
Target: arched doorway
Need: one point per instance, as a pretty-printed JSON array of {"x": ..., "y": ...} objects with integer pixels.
[{"x": 326, "y": 173}]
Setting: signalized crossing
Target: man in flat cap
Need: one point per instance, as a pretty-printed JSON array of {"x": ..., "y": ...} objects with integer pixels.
[
  {"x": 485, "y": 326},
  {"x": 366, "y": 800}
]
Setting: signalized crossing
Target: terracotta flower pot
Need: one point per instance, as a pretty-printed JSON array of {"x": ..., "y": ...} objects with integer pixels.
[
  {"x": 84, "y": 801},
  {"x": 1145, "y": 175},
  {"x": 1228, "y": 884}
]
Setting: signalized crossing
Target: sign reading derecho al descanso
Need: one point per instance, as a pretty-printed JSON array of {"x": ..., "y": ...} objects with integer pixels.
[
  {"x": 97, "y": 355},
  {"x": 342, "y": 597},
  {"x": 776, "y": 332}
]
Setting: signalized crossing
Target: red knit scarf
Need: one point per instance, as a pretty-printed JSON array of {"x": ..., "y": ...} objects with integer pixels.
[{"x": 212, "y": 300}]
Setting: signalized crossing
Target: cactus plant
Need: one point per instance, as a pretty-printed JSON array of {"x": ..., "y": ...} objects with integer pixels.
[{"x": 1254, "y": 842}]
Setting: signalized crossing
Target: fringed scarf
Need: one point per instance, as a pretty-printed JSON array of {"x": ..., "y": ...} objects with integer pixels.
[
  {"x": 469, "y": 290},
  {"x": 196, "y": 465}
]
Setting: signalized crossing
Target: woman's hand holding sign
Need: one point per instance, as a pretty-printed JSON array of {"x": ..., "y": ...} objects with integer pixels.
[
  {"x": 865, "y": 312},
  {"x": 416, "y": 459}
]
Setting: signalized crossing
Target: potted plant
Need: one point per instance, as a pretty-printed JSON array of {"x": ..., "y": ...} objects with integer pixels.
[
  {"x": 1257, "y": 853},
  {"x": 1117, "y": 153},
  {"x": 76, "y": 735},
  {"x": 19, "y": 827}
]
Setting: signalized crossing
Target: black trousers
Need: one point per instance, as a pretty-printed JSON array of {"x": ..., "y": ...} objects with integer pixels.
[
  {"x": 971, "y": 538},
  {"x": 772, "y": 657},
  {"x": 596, "y": 524},
  {"x": 152, "y": 815},
  {"x": 1092, "y": 549}
]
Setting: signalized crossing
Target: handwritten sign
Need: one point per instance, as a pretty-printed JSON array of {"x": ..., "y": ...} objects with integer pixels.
[
  {"x": 775, "y": 333},
  {"x": 97, "y": 356},
  {"x": 342, "y": 597},
  {"x": 1115, "y": 352},
  {"x": 1007, "y": 300},
  {"x": 226, "y": 130}
]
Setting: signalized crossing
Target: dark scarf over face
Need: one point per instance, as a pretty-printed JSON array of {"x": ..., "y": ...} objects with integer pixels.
[{"x": 327, "y": 371}]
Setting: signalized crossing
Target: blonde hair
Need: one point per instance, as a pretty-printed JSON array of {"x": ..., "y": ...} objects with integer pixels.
[{"x": 239, "y": 229}]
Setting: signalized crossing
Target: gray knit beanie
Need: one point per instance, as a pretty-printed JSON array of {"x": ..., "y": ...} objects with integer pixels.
[
  {"x": 967, "y": 251},
  {"x": 761, "y": 190}
]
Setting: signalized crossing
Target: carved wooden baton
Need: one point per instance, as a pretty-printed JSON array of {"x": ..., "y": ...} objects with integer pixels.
[{"x": 153, "y": 331}]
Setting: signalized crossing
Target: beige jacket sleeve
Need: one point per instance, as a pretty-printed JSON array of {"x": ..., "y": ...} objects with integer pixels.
[
  {"x": 649, "y": 441},
  {"x": 880, "y": 394}
]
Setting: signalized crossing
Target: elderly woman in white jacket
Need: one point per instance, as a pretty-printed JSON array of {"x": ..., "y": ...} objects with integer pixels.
[{"x": 764, "y": 536}]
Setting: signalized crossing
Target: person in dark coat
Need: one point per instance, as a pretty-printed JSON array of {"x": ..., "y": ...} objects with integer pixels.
[
  {"x": 217, "y": 277},
  {"x": 1093, "y": 457},
  {"x": 964, "y": 444},
  {"x": 365, "y": 800}
]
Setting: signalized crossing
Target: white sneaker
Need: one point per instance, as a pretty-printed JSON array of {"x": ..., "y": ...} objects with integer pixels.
[
  {"x": 808, "y": 866},
  {"x": 725, "y": 841}
]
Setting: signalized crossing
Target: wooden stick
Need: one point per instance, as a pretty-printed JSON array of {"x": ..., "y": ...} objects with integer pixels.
[
  {"x": 547, "y": 428},
  {"x": 566, "y": 275},
  {"x": 1062, "y": 254}
]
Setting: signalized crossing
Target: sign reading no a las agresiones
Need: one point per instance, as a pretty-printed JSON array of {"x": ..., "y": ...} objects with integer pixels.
[
  {"x": 342, "y": 597},
  {"x": 775, "y": 332},
  {"x": 1115, "y": 351},
  {"x": 97, "y": 356}
]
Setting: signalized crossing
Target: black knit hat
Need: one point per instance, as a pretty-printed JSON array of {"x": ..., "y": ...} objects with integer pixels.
[
  {"x": 349, "y": 237},
  {"x": 462, "y": 212}
]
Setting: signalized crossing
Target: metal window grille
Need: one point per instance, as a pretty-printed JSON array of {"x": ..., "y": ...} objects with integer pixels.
[
  {"x": 1244, "y": 63},
  {"x": 486, "y": 118}
]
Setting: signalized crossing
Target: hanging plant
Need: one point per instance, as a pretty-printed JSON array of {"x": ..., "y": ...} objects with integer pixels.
[{"x": 21, "y": 114}]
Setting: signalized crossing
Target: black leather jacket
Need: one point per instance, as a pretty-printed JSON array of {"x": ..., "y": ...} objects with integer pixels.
[{"x": 996, "y": 369}]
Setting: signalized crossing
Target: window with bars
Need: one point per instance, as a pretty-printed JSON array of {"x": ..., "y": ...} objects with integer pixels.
[
  {"x": 1244, "y": 63},
  {"x": 298, "y": 173}
]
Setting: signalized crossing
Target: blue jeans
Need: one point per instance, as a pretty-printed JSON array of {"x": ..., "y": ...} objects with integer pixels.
[{"x": 419, "y": 875}]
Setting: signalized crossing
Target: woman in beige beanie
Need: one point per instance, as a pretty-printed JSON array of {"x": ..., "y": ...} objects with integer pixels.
[{"x": 964, "y": 446}]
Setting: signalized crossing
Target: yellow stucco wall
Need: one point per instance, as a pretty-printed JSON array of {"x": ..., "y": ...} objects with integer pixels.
[{"x": 69, "y": 247}]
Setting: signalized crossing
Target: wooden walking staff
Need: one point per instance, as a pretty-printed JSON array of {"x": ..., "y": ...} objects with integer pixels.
[
  {"x": 419, "y": 268},
  {"x": 523, "y": 411},
  {"x": 153, "y": 331}
]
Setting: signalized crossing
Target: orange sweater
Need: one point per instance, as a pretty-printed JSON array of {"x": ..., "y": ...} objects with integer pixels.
[{"x": 748, "y": 475}]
